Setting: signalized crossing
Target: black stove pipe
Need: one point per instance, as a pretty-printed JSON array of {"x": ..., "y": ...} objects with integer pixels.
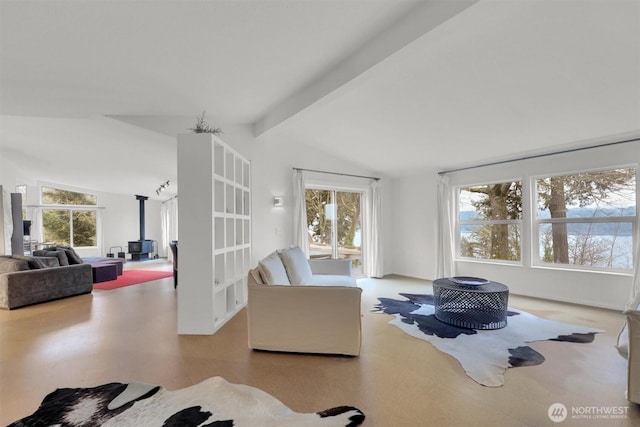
[{"x": 142, "y": 225}]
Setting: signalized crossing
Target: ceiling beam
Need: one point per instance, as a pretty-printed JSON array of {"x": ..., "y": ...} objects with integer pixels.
[{"x": 419, "y": 21}]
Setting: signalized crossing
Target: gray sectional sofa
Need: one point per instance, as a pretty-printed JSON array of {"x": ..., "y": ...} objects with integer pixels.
[
  {"x": 30, "y": 280},
  {"x": 103, "y": 269}
]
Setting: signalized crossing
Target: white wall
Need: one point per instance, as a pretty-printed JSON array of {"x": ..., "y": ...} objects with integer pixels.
[
  {"x": 8, "y": 173},
  {"x": 272, "y": 166},
  {"x": 413, "y": 226},
  {"x": 121, "y": 221}
]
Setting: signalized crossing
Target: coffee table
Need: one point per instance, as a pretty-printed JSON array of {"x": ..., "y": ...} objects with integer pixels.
[{"x": 470, "y": 302}]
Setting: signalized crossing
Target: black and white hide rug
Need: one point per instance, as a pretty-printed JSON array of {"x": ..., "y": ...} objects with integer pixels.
[
  {"x": 211, "y": 403},
  {"x": 485, "y": 355}
]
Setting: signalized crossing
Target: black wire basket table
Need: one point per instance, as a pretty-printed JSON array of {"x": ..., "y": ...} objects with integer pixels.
[{"x": 471, "y": 302}]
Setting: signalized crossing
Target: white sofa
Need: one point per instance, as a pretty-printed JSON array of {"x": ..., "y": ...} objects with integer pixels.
[
  {"x": 317, "y": 313},
  {"x": 629, "y": 347}
]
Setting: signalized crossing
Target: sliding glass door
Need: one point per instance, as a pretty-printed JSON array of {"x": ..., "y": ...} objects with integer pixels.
[{"x": 334, "y": 225}]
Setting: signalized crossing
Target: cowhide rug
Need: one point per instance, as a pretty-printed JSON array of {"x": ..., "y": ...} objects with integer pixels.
[
  {"x": 212, "y": 403},
  {"x": 485, "y": 355}
]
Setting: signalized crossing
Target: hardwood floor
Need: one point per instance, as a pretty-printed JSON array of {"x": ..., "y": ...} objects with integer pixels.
[{"x": 129, "y": 334}]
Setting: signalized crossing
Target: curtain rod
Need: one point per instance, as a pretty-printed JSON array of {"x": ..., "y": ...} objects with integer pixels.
[
  {"x": 169, "y": 199},
  {"x": 67, "y": 207},
  {"x": 536, "y": 156},
  {"x": 337, "y": 173}
]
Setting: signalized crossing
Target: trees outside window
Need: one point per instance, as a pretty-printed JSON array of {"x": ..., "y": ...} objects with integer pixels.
[
  {"x": 334, "y": 224},
  {"x": 490, "y": 218},
  {"x": 55, "y": 196},
  {"x": 69, "y": 219},
  {"x": 583, "y": 219},
  {"x": 586, "y": 219}
]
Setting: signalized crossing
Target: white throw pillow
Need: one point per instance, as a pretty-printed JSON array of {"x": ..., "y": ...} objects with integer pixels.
[
  {"x": 297, "y": 266},
  {"x": 272, "y": 270}
]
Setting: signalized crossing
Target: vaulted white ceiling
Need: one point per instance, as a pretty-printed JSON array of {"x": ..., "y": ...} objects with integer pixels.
[{"x": 397, "y": 86}]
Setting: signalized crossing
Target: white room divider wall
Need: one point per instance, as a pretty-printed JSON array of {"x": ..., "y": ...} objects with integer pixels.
[{"x": 214, "y": 229}]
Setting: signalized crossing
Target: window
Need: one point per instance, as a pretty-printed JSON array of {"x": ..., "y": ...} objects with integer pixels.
[
  {"x": 54, "y": 196},
  {"x": 490, "y": 221},
  {"x": 586, "y": 219},
  {"x": 583, "y": 220},
  {"x": 333, "y": 221},
  {"x": 69, "y": 218}
]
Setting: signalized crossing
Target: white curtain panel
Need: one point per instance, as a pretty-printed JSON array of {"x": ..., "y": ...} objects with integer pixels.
[
  {"x": 164, "y": 223},
  {"x": 634, "y": 300},
  {"x": 169, "y": 212},
  {"x": 372, "y": 229},
  {"x": 102, "y": 250},
  {"x": 632, "y": 305},
  {"x": 445, "y": 251},
  {"x": 300, "y": 230},
  {"x": 7, "y": 221}
]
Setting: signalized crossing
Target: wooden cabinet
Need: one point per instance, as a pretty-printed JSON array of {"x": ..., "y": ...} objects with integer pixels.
[{"x": 214, "y": 229}]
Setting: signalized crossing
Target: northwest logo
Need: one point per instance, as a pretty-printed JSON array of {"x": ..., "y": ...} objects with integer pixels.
[{"x": 557, "y": 412}]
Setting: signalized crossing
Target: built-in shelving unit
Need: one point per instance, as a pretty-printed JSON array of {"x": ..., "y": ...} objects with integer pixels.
[{"x": 214, "y": 229}]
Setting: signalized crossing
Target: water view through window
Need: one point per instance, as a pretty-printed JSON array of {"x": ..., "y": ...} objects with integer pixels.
[
  {"x": 583, "y": 219},
  {"x": 587, "y": 219}
]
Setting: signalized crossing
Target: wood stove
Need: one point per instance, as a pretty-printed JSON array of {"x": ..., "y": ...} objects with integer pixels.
[{"x": 140, "y": 249}]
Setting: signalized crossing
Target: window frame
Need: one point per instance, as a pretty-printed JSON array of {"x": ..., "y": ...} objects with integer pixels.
[
  {"x": 530, "y": 223},
  {"x": 481, "y": 222},
  {"x": 70, "y": 209},
  {"x": 357, "y": 270},
  {"x": 536, "y": 222}
]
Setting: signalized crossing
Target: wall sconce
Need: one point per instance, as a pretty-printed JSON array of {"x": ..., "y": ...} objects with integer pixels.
[{"x": 278, "y": 201}]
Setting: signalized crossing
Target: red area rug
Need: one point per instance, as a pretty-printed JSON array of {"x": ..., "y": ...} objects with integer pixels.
[{"x": 133, "y": 277}]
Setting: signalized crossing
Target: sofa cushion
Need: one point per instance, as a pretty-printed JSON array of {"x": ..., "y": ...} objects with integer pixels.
[
  {"x": 10, "y": 265},
  {"x": 72, "y": 255},
  {"x": 34, "y": 263},
  {"x": 256, "y": 277},
  {"x": 332, "y": 280},
  {"x": 49, "y": 261},
  {"x": 296, "y": 265},
  {"x": 60, "y": 254},
  {"x": 50, "y": 252},
  {"x": 272, "y": 270}
]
